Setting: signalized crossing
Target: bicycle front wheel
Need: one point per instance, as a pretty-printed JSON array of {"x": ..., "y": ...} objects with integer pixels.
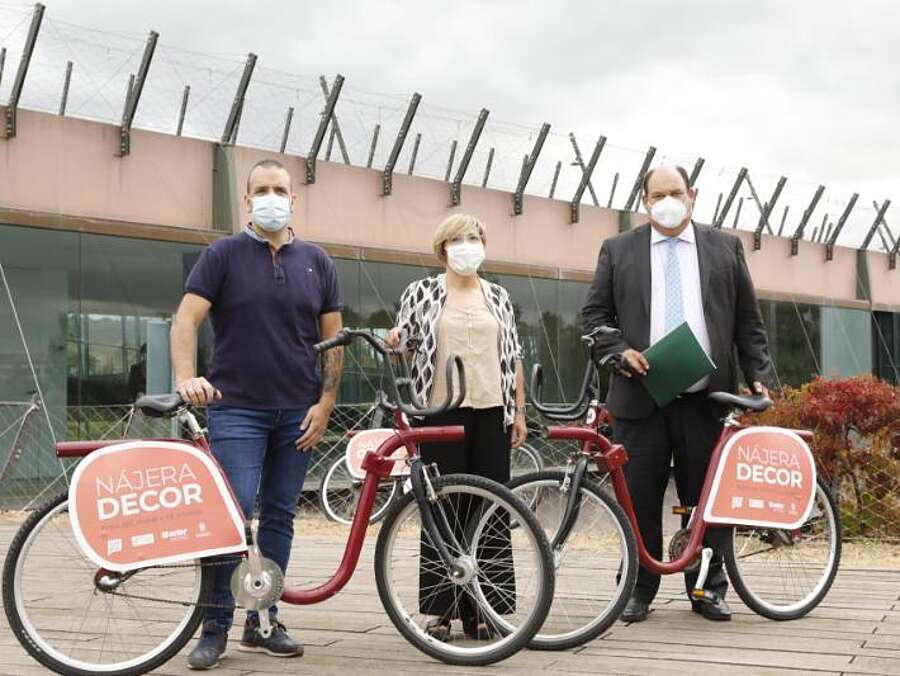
[
  {"x": 495, "y": 607},
  {"x": 784, "y": 574},
  {"x": 339, "y": 494},
  {"x": 58, "y": 611},
  {"x": 524, "y": 460},
  {"x": 596, "y": 564}
]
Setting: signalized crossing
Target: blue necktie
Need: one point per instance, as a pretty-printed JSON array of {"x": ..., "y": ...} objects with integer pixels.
[{"x": 674, "y": 306}]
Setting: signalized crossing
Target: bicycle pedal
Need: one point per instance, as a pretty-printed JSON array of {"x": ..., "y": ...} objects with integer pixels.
[
  {"x": 682, "y": 510},
  {"x": 704, "y": 596}
]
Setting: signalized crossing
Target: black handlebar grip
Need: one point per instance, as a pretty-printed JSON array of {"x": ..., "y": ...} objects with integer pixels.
[{"x": 342, "y": 338}]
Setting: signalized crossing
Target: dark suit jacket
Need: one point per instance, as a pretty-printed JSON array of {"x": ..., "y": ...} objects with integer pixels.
[{"x": 620, "y": 297}]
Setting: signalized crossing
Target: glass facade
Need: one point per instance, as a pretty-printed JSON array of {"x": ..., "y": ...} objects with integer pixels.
[{"x": 84, "y": 301}]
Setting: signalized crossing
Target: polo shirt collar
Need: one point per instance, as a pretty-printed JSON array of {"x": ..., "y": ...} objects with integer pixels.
[
  {"x": 687, "y": 235},
  {"x": 250, "y": 232}
]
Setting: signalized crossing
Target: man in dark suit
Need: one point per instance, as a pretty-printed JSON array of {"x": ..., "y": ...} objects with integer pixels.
[{"x": 648, "y": 281}]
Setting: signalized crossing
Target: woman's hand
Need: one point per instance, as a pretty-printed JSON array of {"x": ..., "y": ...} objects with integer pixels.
[
  {"x": 393, "y": 338},
  {"x": 519, "y": 430}
]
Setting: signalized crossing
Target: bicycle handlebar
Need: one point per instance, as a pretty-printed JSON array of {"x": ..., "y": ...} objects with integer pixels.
[{"x": 414, "y": 407}]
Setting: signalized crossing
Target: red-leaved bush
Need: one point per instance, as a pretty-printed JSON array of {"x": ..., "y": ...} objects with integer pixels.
[{"x": 856, "y": 422}]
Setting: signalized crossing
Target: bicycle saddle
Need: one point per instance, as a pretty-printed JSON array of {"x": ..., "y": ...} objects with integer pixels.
[
  {"x": 159, "y": 405},
  {"x": 753, "y": 403}
]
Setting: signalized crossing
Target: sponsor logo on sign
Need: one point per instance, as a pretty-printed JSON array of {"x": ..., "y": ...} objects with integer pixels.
[
  {"x": 113, "y": 546},
  {"x": 142, "y": 540},
  {"x": 753, "y": 503},
  {"x": 179, "y": 534},
  {"x": 737, "y": 502}
]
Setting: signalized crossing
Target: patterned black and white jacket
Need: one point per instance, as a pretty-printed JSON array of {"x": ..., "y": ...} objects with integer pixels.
[{"x": 420, "y": 309}]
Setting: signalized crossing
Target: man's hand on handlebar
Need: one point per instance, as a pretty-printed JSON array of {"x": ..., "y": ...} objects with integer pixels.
[
  {"x": 197, "y": 391},
  {"x": 635, "y": 362},
  {"x": 394, "y": 336}
]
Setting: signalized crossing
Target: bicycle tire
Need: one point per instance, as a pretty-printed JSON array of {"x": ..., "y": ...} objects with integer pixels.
[
  {"x": 590, "y": 489},
  {"x": 783, "y": 612},
  {"x": 41, "y": 650},
  {"x": 512, "y": 642}
]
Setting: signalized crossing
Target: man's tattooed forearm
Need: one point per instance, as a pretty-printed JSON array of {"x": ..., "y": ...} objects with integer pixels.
[{"x": 334, "y": 363}]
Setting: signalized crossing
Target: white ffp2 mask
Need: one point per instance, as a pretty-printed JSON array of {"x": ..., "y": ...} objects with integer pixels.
[
  {"x": 668, "y": 212},
  {"x": 466, "y": 257}
]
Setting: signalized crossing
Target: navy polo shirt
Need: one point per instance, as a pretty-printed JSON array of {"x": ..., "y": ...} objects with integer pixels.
[{"x": 265, "y": 316}]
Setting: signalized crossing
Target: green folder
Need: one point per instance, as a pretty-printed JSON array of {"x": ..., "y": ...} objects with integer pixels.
[{"x": 677, "y": 361}]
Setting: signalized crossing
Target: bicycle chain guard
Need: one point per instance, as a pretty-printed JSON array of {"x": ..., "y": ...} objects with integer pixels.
[{"x": 260, "y": 593}]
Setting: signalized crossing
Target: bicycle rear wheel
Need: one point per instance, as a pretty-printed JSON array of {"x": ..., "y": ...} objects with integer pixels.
[
  {"x": 783, "y": 574},
  {"x": 596, "y": 566},
  {"x": 524, "y": 460},
  {"x": 339, "y": 494},
  {"x": 59, "y": 614},
  {"x": 508, "y": 585}
]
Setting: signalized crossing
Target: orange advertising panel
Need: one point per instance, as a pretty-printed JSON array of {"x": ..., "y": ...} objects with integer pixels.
[
  {"x": 766, "y": 478},
  {"x": 144, "y": 503},
  {"x": 369, "y": 441}
]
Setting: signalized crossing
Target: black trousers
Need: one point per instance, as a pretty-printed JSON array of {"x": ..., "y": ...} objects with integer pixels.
[
  {"x": 687, "y": 429},
  {"x": 484, "y": 452}
]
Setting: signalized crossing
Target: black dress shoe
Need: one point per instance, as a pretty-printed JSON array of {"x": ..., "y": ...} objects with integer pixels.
[
  {"x": 718, "y": 611},
  {"x": 635, "y": 611}
]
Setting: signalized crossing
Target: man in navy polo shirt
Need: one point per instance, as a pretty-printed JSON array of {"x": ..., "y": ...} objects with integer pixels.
[{"x": 270, "y": 297}]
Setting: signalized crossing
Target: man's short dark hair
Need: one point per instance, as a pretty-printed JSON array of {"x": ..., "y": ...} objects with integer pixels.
[
  {"x": 681, "y": 170},
  {"x": 268, "y": 163}
]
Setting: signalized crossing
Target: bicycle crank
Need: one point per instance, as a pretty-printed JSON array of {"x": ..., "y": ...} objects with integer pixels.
[
  {"x": 677, "y": 545},
  {"x": 257, "y": 592}
]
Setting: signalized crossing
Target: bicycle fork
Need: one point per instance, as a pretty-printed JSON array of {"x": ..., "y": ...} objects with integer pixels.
[
  {"x": 571, "y": 487},
  {"x": 461, "y": 569}
]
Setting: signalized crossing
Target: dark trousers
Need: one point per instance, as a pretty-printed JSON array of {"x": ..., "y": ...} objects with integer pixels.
[
  {"x": 485, "y": 452},
  {"x": 687, "y": 429}
]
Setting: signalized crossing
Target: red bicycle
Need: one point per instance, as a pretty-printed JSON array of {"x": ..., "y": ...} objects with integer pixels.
[
  {"x": 117, "y": 584},
  {"x": 760, "y": 483}
]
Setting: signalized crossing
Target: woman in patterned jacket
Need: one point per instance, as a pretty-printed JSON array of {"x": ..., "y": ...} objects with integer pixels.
[{"x": 458, "y": 312}]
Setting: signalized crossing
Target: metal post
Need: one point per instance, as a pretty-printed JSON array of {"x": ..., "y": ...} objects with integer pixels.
[
  {"x": 815, "y": 233},
  {"x": 636, "y": 188},
  {"x": 135, "y": 94},
  {"x": 335, "y": 124},
  {"x": 327, "y": 114},
  {"x": 828, "y": 231},
  {"x": 783, "y": 219},
  {"x": 456, "y": 186},
  {"x": 287, "y": 128},
  {"x": 575, "y": 204},
  {"x": 718, "y": 206},
  {"x": 695, "y": 173},
  {"x": 822, "y": 229},
  {"x": 330, "y": 145},
  {"x": 387, "y": 177},
  {"x": 237, "y": 124},
  {"x": 765, "y": 211},
  {"x": 612, "y": 190},
  {"x": 65, "y": 91},
  {"x": 228, "y": 134},
  {"x": 2, "y": 62},
  {"x": 487, "y": 167},
  {"x": 522, "y": 168},
  {"x": 128, "y": 89},
  {"x": 807, "y": 214},
  {"x": 886, "y": 228},
  {"x": 892, "y": 256},
  {"x": 372, "y": 147},
  {"x": 450, "y": 160},
  {"x": 737, "y": 214},
  {"x": 16, "y": 91},
  {"x": 742, "y": 174},
  {"x": 842, "y": 221},
  {"x": 414, "y": 154},
  {"x": 183, "y": 112},
  {"x": 555, "y": 179},
  {"x": 882, "y": 210},
  {"x": 528, "y": 168},
  {"x": 580, "y": 162}
]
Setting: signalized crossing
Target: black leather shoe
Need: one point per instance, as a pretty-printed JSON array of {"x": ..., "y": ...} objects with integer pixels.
[
  {"x": 635, "y": 611},
  {"x": 208, "y": 651},
  {"x": 717, "y": 612}
]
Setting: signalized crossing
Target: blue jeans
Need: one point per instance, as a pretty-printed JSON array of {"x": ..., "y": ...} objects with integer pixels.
[{"x": 256, "y": 450}]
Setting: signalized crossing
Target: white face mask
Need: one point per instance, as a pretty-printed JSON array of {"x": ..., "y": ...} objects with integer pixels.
[
  {"x": 465, "y": 258},
  {"x": 668, "y": 212},
  {"x": 271, "y": 212}
]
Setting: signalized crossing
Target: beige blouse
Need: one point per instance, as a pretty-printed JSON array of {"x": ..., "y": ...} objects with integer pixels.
[{"x": 467, "y": 328}]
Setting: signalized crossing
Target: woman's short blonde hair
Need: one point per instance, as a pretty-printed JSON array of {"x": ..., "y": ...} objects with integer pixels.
[{"x": 455, "y": 225}]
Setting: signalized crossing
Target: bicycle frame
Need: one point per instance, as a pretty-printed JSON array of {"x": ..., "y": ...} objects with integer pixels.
[
  {"x": 611, "y": 457},
  {"x": 377, "y": 464}
]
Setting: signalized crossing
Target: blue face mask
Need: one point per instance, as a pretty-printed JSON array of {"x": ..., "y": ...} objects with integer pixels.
[{"x": 271, "y": 212}]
